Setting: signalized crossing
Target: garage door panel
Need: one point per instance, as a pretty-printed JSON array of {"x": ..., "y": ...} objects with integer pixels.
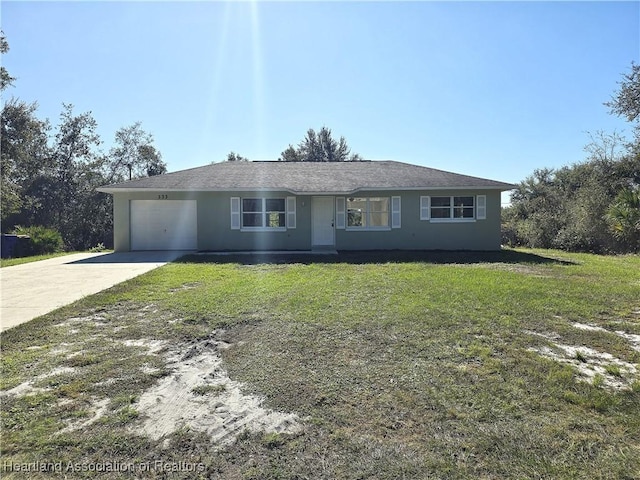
[{"x": 163, "y": 225}]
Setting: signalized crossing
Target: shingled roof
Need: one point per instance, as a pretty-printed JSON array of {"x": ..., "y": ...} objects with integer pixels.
[{"x": 307, "y": 178}]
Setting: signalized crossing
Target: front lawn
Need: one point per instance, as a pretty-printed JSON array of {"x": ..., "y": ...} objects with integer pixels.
[
  {"x": 10, "y": 262},
  {"x": 519, "y": 364}
]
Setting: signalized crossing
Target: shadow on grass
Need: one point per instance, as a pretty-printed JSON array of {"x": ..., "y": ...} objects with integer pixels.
[{"x": 371, "y": 257}]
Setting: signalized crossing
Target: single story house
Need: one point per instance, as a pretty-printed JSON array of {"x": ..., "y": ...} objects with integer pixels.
[{"x": 266, "y": 206}]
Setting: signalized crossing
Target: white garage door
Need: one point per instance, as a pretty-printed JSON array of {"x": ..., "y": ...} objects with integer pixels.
[{"x": 163, "y": 225}]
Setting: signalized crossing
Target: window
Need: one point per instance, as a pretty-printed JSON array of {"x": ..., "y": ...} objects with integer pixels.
[
  {"x": 440, "y": 207},
  {"x": 463, "y": 207},
  {"x": 263, "y": 213},
  {"x": 368, "y": 213},
  {"x": 447, "y": 208}
]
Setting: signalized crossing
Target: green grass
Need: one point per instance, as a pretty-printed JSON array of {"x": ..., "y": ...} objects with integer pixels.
[
  {"x": 208, "y": 389},
  {"x": 10, "y": 262},
  {"x": 401, "y": 365}
]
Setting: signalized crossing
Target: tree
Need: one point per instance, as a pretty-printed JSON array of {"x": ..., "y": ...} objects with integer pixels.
[
  {"x": 25, "y": 157},
  {"x": 626, "y": 101},
  {"x": 151, "y": 159},
  {"x": 624, "y": 217},
  {"x": 5, "y": 78},
  {"x": 567, "y": 208},
  {"x": 134, "y": 155},
  {"x": 235, "y": 157},
  {"x": 319, "y": 147},
  {"x": 290, "y": 154},
  {"x": 75, "y": 158},
  {"x": 537, "y": 208},
  {"x": 51, "y": 182},
  {"x": 590, "y": 206}
]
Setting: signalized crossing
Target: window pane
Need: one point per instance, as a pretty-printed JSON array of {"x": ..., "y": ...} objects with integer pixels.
[
  {"x": 251, "y": 204},
  {"x": 463, "y": 207},
  {"x": 356, "y": 212},
  {"x": 440, "y": 212},
  {"x": 251, "y": 219},
  {"x": 275, "y": 219},
  {"x": 463, "y": 212},
  {"x": 379, "y": 204},
  {"x": 440, "y": 201},
  {"x": 357, "y": 204},
  {"x": 355, "y": 218},
  {"x": 275, "y": 204},
  {"x": 463, "y": 201},
  {"x": 379, "y": 219}
]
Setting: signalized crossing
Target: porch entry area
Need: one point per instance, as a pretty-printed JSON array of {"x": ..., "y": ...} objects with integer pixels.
[{"x": 323, "y": 223}]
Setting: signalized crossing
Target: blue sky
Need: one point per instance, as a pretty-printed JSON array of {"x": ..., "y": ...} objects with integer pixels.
[{"x": 492, "y": 89}]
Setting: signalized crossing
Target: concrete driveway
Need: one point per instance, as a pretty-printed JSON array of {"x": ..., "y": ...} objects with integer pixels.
[{"x": 33, "y": 289}]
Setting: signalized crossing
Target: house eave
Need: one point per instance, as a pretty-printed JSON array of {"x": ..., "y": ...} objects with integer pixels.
[{"x": 503, "y": 188}]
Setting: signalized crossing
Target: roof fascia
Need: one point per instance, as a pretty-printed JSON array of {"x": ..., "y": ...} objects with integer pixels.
[{"x": 502, "y": 188}]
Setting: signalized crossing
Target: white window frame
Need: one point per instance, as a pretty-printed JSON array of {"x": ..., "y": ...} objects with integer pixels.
[
  {"x": 367, "y": 213},
  {"x": 263, "y": 212},
  {"x": 479, "y": 212}
]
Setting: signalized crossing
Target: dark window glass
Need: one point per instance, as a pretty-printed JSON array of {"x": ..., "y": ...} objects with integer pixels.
[
  {"x": 251, "y": 219},
  {"x": 440, "y": 201},
  {"x": 251, "y": 204},
  {"x": 275, "y": 204}
]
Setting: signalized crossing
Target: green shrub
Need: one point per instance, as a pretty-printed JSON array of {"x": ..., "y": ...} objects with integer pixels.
[
  {"x": 98, "y": 248},
  {"x": 42, "y": 240}
]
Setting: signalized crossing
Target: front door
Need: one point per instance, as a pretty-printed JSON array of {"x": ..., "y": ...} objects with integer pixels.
[{"x": 322, "y": 230}]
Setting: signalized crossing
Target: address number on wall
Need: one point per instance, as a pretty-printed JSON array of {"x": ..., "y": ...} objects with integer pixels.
[{"x": 163, "y": 197}]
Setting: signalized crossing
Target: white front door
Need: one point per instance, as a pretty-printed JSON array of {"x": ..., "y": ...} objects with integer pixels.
[{"x": 322, "y": 219}]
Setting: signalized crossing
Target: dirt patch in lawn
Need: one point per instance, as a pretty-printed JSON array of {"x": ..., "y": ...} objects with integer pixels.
[
  {"x": 633, "y": 339},
  {"x": 519, "y": 268},
  {"x": 199, "y": 395},
  {"x": 29, "y": 388},
  {"x": 593, "y": 366},
  {"x": 99, "y": 408}
]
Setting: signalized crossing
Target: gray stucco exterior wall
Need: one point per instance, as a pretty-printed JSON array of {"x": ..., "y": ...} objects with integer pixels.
[{"x": 214, "y": 232}]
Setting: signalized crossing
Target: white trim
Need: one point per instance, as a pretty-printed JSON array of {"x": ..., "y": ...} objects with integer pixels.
[
  {"x": 425, "y": 208},
  {"x": 396, "y": 213},
  {"x": 263, "y": 229},
  {"x": 236, "y": 221},
  {"x": 298, "y": 192},
  {"x": 341, "y": 213},
  {"x": 290, "y": 219},
  {"x": 481, "y": 207},
  {"x": 368, "y": 229},
  {"x": 452, "y": 220}
]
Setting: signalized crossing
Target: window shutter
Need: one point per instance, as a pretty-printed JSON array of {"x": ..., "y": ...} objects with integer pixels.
[
  {"x": 481, "y": 207},
  {"x": 291, "y": 212},
  {"x": 340, "y": 213},
  {"x": 235, "y": 213},
  {"x": 425, "y": 208},
  {"x": 395, "y": 212}
]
